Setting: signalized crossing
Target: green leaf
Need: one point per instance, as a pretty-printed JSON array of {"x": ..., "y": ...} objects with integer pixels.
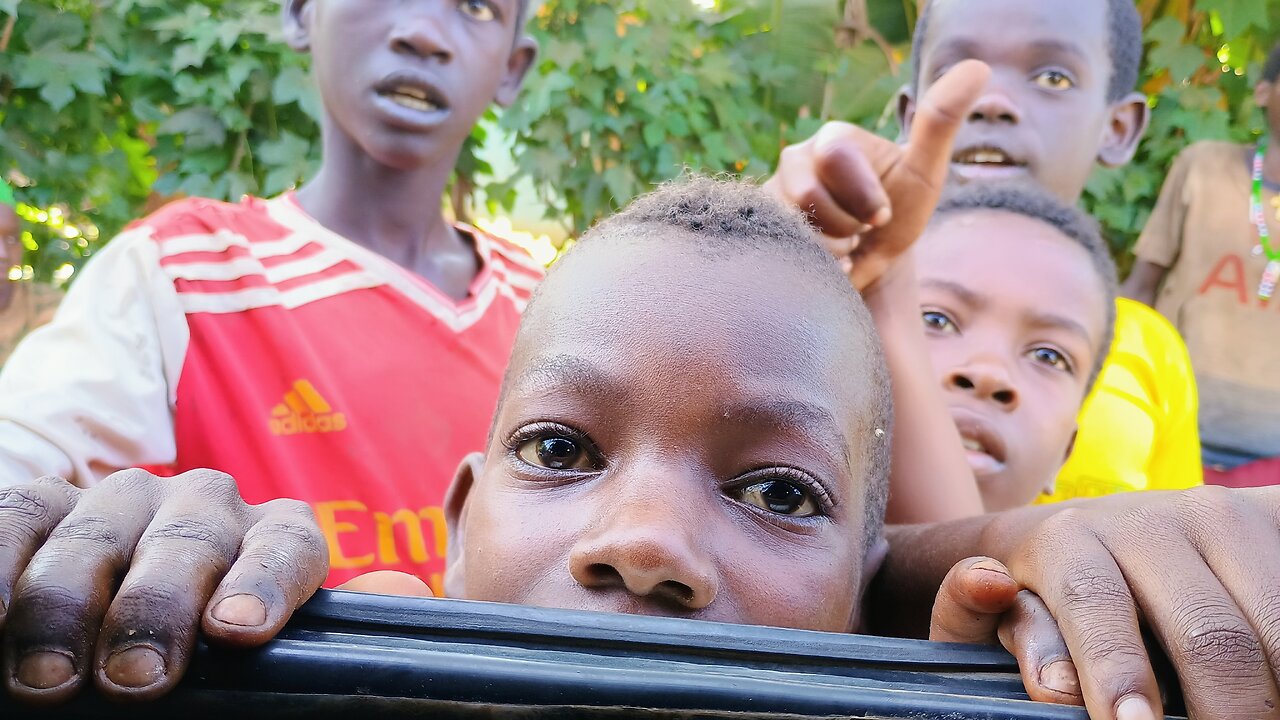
[
  {"x": 1237, "y": 16},
  {"x": 199, "y": 125},
  {"x": 654, "y": 135},
  {"x": 62, "y": 30}
]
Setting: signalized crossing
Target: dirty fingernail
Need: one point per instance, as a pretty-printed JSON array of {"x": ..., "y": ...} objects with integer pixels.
[
  {"x": 45, "y": 670},
  {"x": 1134, "y": 708},
  {"x": 243, "y": 610},
  {"x": 1061, "y": 677},
  {"x": 137, "y": 667}
]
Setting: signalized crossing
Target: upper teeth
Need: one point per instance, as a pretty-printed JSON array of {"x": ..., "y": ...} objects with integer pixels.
[
  {"x": 411, "y": 92},
  {"x": 982, "y": 157},
  {"x": 413, "y": 98},
  {"x": 971, "y": 444}
]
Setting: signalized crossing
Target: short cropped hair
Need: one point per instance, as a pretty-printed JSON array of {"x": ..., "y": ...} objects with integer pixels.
[
  {"x": 1124, "y": 26},
  {"x": 1271, "y": 70},
  {"x": 724, "y": 218},
  {"x": 1032, "y": 202}
]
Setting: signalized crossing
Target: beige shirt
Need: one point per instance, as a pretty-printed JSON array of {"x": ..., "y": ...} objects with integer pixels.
[
  {"x": 1201, "y": 230},
  {"x": 33, "y": 305}
]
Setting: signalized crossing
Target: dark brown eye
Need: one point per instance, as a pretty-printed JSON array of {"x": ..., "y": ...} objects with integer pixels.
[
  {"x": 781, "y": 497},
  {"x": 554, "y": 453}
]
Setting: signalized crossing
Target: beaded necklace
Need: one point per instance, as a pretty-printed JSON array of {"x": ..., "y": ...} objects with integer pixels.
[{"x": 1271, "y": 275}]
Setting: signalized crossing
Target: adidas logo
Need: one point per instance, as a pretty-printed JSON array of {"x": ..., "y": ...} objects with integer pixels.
[{"x": 305, "y": 411}]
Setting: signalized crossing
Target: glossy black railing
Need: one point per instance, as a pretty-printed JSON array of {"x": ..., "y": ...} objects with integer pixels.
[{"x": 347, "y": 654}]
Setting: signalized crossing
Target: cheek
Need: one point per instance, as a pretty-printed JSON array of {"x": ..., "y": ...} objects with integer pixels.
[
  {"x": 516, "y": 542},
  {"x": 815, "y": 587}
]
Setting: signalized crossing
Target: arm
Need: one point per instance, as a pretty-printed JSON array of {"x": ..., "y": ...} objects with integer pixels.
[
  {"x": 1160, "y": 244},
  {"x": 1195, "y": 568},
  {"x": 1143, "y": 282},
  {"x": 930, "y": 480},
  {"x": 91, "y": 392}
]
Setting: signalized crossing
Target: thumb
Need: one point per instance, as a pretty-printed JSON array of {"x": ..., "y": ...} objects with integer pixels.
[
  {"x": 388, "y": 582},
  {"x": 973, "y": 598},
  {"x": 939, "y": 116}
]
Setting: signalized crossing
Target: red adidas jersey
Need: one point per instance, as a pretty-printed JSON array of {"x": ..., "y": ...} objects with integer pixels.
[{"x": 315, "y": 369}]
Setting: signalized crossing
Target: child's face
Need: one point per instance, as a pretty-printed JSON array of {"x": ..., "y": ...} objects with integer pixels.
[
  {"x": 1045, "y": 113},
  {"x": 679, "y": 436},
  {"x": 1015, "y": 316},
  {"x": 405, "y": 82}
]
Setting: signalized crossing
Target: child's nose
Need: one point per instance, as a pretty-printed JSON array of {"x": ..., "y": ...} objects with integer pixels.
[
  {"x": 996, "y": 107},
  {"x": 648, "y": 543},
  {"x": 986, "y": 381},
  {"x": 421, "y": 32}
]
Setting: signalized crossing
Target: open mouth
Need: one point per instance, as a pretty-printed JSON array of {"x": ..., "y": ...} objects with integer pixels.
[
  {"x": 983, "y": 446},
  {"x": 987, "y": 156},
  {"x": 412, "y": 98},
  {"x": 413, "y": 93}
]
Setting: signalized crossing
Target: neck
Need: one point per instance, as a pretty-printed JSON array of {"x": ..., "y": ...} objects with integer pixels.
[{"x": 395, "y": 213}]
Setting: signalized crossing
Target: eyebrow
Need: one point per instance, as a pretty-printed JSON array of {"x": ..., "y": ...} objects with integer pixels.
[
  {"x": 565, "y": 370},
  {"x": 1036, "y": 319},
  {"x": 967, "y": 296},
  {"x": 785, "y": 414},
  {"x": 959, "y": 48}
]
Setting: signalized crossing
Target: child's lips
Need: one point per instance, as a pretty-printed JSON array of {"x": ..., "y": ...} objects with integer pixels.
[{"x": 982, "y": 464}]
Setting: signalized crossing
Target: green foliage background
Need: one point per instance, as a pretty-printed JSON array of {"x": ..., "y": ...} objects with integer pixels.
[{"x": 109, "y": 107}]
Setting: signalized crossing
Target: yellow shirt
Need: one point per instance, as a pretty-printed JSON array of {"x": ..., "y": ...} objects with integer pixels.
[{"x": 1138, "y": 428}]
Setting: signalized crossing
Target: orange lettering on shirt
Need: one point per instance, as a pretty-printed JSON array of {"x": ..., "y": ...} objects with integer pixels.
[
  {"x": 327, "y": 517},
  {"x": 1233, "y": 280},
  {"x": 411, "y": 522}
]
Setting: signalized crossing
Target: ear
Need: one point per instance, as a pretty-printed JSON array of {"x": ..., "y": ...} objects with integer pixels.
[
  {"x": 870, "y": 568},
  {"x": 518, "y": 64},
  {"x": 1262, "y": 93},
  {"x": 906, "y": 111},
  {"x": 297, "y": 24},
  {"x": 1127, "y": 125},
  {"x": 455, "y": 519}
]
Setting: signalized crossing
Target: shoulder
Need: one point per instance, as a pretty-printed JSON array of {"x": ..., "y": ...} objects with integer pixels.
[
  {"x": 507, "y": 253},
  {"x": 1141, "y": 332},
  {"x": 1217, "y": 153},
  {"x": 250, "y": 219}
]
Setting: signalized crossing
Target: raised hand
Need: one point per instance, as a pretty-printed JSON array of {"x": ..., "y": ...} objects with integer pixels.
[{"x": 872, "y": 197}]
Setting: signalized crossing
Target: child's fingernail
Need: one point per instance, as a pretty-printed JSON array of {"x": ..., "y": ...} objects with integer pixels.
[
  {"x": 1134, "y": 708},
  {"x": 990, "y": 565},
  {"x": 244, "y": 610},
  {"x": 882, "y": 217},
  {"x": 45, "y": 670},
  {"x": 1061, "y": 677},
  {"x": 136, "y": 667}
]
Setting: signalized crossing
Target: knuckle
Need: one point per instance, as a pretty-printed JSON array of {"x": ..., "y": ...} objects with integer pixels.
[
  {"x": 294, "y": 530},
  {"x": 213, "y": 484},
  {"x": 26, "y": 504},
  {"x": 1086, "y": 590},
  {"x": 90, "y": 530},
  {"x": 288, "y": 509},
  {"x": 149, "y": 602},
  {"x": 126, "y": 481},
  {"x": 210, "y": 534},
  {"x": 1228, "y": 647},
  {"x": 49, "y": 601}
]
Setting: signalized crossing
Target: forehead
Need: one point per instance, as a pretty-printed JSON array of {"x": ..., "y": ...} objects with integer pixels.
[
  {"x": 1021, "y": 264},
  {"x": 748, "y": 312},
  {"x": 968, "y": 27},
  {"x": 671, "y": 325}
]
